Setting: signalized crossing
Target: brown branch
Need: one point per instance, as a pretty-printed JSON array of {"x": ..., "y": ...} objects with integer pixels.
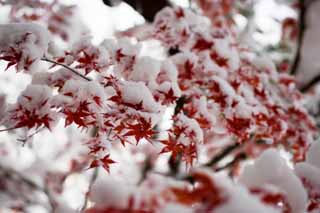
[
  {"x": 310, "y": 84},
  {"x": 226, "y": 151},
  {"x": 147, "y": 167},
  {"x": 147, "y": 8},
  {"x": 67, "y": 67},
  {"x": 237, "y": 159},
  {"x": 91, "y": 182},
  {"x": 28, "y": 137},
  {"x": 304, "y": 6},
  {"x": 15, "y": 175},
  {"x": 174, "y": 164}
]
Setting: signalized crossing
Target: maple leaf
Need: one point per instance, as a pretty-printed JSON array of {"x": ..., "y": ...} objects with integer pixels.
[
  {"x": 12, "y": 58},
  {"x": 27, "y": 63},
  {"x": 179, "y": 13},
  {"x": 188, "y": 70},
  {"x": 120, "y": 127},
  {"x": 189, "y": 154},
  {"x": 104, "y": 162},
  {"x": 119, "y": 55},
  {"x": 169, "y": 96},
  {"x": 221, "y": 61},
  {"x": 116, "y": 98},
  {"x": 172, "y": 146},
  {"x": 31, "y": 119},
  {"x": 203, "y": 122},
  {"x": 97, "y": 100},
  {"x": 202, "y": 44},
  {"x": 205, "y": 192},
  {"x": 88, "y": 62},
  {"x": 79, "y": 116},
  {"x": 220, "y": 99},
  {"x": 95, "y": 148},
  {"x": 140, "y": 130},
  {"x": 275, "y": 199},
  {"x": 239, "y": 126},
  {"x": 177, "y": 130},
  {"x": 138, "y": 106}
]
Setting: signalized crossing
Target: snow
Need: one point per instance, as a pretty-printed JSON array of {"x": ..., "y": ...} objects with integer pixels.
[
  {"x": 34, "y": 47},
  {"x": 313, "y": 156},
  {"x": 146, "y": 69},
  {"x": 136, "y": 92},
  {"x": 309, "y": 171},
  {"x": 271, "y": 169}
]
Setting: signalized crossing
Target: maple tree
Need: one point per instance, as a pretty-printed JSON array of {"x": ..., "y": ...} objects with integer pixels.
[{"x": 165, "y": 133}]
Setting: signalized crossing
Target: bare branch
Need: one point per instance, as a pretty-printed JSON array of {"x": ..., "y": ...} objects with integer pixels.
[
  {"x": 309, "y": 85},
  {"x": 91, "y": 182},
  {"x": 16, "y": 176},
  {"x": 222, "y": 154},
  {"x": 67, "y": 67},
  {"x": 9, "y": 129},
  {"x": 304, "y": 6},
  {"x": 237, "y": 159}
]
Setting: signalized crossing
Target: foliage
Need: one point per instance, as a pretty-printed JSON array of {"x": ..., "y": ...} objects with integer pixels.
[{"x": 226, "y": 105}]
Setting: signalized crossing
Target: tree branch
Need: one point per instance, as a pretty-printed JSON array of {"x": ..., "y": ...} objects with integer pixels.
[
  {"x": 217, "y": 158},
  {"x": 67, "y": 67},
  {"x": 147, "y": 8},
  {"x": 91, "y": 182},
  {"x": 304, "y": 6},
  {"x": 16, "y": 176},
  {"x": 237, "y": 159},
  {"x": 309, "y": 85},
  {"x": 302, "y": 28}
]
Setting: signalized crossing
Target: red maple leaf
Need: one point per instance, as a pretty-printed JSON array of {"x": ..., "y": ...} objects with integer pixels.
[
  {"x": 104, "y": 162},
  {"x": 188, "y": 70},
  {"x": 79, "y": 116},
  {"x": 189, "y": 154},
  {"x": 203, "y": 122},
  {"x": 88, "y": 62},
  {"x": 31, "y": 119},
  {"x": 13, "y": 57},
  {"x": 178, "y": 130},
  {"x": 138, "y": 106},
  {"x": 140, "y": 130},
  {"x": 239, "y": 126},
  {"x": 172, "y": 146},
  {"x": 179, "y": 13},
  {"x": 202, "y": 44},
  {"x": 169, "y": 97},
  {"x": 206, "y": 192},
  {"x": 221, "y": 61}
]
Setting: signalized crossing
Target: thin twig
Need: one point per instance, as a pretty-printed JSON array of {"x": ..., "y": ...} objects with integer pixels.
[
  {"x": 24, "y": 140},
  {"x": 9, "y": 129},
  {"x": 67, "y": 67},
  {"x": 94, "y": 133}
]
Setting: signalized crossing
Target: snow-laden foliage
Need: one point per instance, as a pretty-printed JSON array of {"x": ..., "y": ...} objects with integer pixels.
[{"x": 225, "y": 104}]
